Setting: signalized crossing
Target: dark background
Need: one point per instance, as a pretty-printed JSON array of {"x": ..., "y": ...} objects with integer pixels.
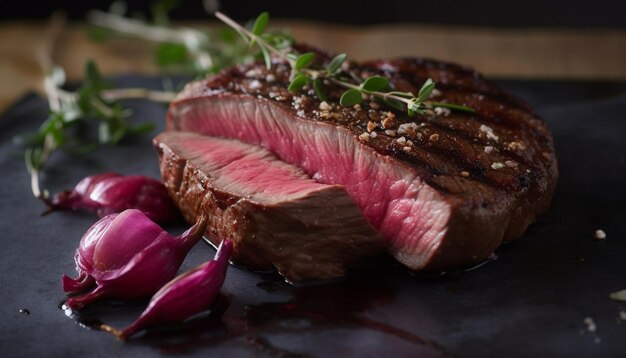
[
  {"x": 531, "y": 301},
  {"x": 527, "y": 13}
]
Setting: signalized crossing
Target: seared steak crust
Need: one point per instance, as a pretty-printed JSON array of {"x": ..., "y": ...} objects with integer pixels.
[
  {"x": 275, "y": 214},
  {"x": 482, "y": 177}
]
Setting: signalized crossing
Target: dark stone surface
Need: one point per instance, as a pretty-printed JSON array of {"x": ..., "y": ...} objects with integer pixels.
[
  {"x": 531, "y": 301},
  {"x": 528, "y": 13}
]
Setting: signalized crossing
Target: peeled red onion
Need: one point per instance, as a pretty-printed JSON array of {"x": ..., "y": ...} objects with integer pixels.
[
  {"x": 127, "y": 256},
  {"x": 112, "y": 193},
  {"x": 185, "y": 296}
]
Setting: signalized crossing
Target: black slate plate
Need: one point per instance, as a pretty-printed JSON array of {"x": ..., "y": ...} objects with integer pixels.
[{"x": 532, "y": 300}]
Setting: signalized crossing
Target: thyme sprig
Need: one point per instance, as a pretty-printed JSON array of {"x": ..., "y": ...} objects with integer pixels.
[
  {"x": 69, "y": 110},
  {"x": 179, "y": 49},
  {"x": 303, "y": 73}
]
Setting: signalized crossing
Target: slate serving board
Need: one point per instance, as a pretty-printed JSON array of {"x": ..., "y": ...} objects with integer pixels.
[{"x": 532, "y": 300}]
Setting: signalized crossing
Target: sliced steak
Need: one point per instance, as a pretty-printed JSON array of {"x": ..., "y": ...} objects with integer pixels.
[
  {"x": 276, "y": 215},
  {"x": 444, "y": 191}
]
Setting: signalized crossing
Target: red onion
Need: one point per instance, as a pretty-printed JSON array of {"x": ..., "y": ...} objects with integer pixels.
[
  {"x": 112, "y": 193},
  {"x": 127, "y": 256},
  {"x": 185, "y": 296}
]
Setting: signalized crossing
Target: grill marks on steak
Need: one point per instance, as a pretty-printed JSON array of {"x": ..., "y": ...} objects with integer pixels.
[
  {"x": 441, "y": 203},
  {"x": 276, "y": 215}
]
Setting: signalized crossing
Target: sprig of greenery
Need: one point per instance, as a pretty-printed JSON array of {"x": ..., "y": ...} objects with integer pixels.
[
  {"x": 185, "y": 48},
  {"x": 303, "y": 74},
  {"x": 181, "y": 49},
  {"x": 93, "y": 101}
]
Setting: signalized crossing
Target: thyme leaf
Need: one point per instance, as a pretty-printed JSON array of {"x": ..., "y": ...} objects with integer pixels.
[
  {"x": 351, "y": 97},
  {"x": 304, "y": 60},
  {"x": 318, "y": 87},
  {"x": 297, "y": 83},
  {"x": 375, "y": 83},
  {"x": 334, "y": 66}
]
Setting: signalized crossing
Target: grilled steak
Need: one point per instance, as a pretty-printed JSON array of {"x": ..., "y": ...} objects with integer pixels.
[
  {"x": 276, "y": 215},
  {"x": 444, "y": 192}
]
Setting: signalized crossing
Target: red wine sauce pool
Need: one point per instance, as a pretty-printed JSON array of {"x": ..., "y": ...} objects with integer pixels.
[{"x": 309, "y": 309}]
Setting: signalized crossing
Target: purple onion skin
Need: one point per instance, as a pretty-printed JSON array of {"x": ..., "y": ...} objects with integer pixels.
[
  {"x": 127, "y": 256},
  {"x": 113, "y": 193},
  {"x": 186, "y": 295}
]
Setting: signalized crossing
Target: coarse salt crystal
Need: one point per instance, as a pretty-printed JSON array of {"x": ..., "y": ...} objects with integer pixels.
[
  {"x": 325, "y": 106},
  {"x": 511, "y": 163},
  {"x": 600, "y": 235},
  {"x": 405, "y": 126},
  {"x": 618, "y": 296},
  {"x": 517, "y": 146},
  {"x": 387, "y": 122},
  {"x": 489, "y": 132},
  {"x": 440, "y": 111},
  {"x": 390, "y": 133},
  {"x": 591, "y": 325},
  {"x": 364, "y": 137},
  {"x": 253, "y": 73},
  {"x": 255, "y": 84},
  {"x": 488, "y": 149},
  {"x": 401, "y": 140},
  {"x": 498, "y": 165}
]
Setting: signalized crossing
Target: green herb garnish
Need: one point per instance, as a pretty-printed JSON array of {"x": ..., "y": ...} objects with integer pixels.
[
  {"x": 93, "y": 101},
  {"x": 183, "y": 49},
  {"x": 303, "y": 73}
]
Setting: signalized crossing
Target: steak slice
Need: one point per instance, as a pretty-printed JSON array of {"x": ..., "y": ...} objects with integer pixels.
[
  {"x": 444, "y": 191},
  {"x": 275, "y": 214}
]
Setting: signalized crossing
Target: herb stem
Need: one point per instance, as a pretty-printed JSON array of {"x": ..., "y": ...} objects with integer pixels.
[
  {"x": 61, "y": 101},
  {"x": 138, "y": 93},
  {"x": 453, "y": 106},
  {"x": 44, "y": 58},
  {"x": 124, "y": 93},
  {"x": 382, "y": 95},
  {"x": 138, "y": 28},
  {"x": 65, "y": 95},
  {"x": 191, "y": 38},
  {"x": 49, "y": 146},
  {"x": 52, "y": 93},
  {"x": 97, "y": 104},
  {"x": 261, "y": 41}
]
